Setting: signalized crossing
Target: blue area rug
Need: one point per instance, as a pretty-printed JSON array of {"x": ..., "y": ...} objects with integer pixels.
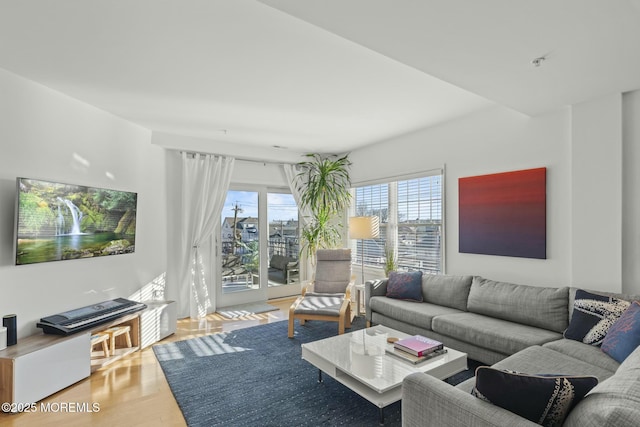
[
  {"x": 237, "y": 311},
  {"x": 256, "y": 377}
]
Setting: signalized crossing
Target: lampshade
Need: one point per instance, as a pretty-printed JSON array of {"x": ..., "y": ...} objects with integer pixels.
[{"x": 364, "y": 227}]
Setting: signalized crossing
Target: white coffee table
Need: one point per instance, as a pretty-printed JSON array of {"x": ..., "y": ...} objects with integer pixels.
[{"x": 359, "y": 361}]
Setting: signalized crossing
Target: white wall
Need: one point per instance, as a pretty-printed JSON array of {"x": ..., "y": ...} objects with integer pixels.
[
  {"x": 493, "y": 140},
  {"x": 631, "y": 193},
  {"x": 591, "y": 152},
  {"x": 48, "y": 135},
  {"x": 596, "y": 177}
]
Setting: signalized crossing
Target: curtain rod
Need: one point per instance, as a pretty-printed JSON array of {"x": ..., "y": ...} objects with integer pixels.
[{"x": 244, "y": 159}]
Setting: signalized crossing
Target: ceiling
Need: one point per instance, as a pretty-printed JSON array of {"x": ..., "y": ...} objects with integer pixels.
[{"x": 319, "y": 76}]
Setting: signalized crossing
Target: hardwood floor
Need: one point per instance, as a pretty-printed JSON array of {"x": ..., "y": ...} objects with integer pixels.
[{"x": 132, "y": 391}]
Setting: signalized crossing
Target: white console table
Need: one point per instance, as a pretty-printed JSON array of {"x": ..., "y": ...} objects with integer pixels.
[{"x": 42, "y": 364}]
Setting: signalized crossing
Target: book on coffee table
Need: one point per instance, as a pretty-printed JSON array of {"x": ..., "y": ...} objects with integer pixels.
[
  {"x": 418, "y": 345},
  {"x": 401, "y": 354}
]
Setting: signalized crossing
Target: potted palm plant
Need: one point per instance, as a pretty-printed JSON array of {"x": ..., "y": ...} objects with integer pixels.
[
  {"x": 390, "y": 261},
  {"x": 324, "y": 186}
]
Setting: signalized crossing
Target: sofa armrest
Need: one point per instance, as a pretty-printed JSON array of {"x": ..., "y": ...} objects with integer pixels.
[
  {"x": 427, "y": 401},
  {"x": 373, "y": 288}
]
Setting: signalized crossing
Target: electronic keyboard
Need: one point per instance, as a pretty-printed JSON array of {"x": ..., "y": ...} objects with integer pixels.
[{"x": 88, "y": 317}]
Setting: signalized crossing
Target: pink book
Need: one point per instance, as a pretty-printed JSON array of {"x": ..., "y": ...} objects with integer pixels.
[{"x": 418, "y": 345}]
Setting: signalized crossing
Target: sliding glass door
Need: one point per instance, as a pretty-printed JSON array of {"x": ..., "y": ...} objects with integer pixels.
[
  {"x": 240, "y": 242},
  {"x": 283, "y": 245},
  {"x": 258, "y": 246}
]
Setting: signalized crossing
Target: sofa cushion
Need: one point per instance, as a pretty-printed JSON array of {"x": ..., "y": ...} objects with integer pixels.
[
  {"x": 405, "y": 285},
  {"x": 593, "y": 315},
  {"x": 543, "y": 399},
  {"x": 543, "y": 359},
  {"x": 585, "y": 352},
  {"x": 624, "y": 335},
  {"x": 420, "y": 315},
  {"x": 530, "y": 305},
  {"x": 614, "y": 402},
  {"x": 446, "y": 290},
  {"x": 487, "y": 332}
]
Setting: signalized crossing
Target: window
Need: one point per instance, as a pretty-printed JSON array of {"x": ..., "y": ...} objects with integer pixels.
[
  {"x": 372, "y": 201},
  {"x": 411, "y": 213},
  {"x": 419, "y": 244}
]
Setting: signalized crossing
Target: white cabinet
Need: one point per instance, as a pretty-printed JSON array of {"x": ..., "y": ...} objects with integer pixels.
[
  {"x": 158, "y": 321},
  {"x": 41, "y": 365}
]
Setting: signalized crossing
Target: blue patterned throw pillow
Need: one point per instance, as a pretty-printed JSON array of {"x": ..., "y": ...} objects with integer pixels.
[
  {"x": 592, "y": 317},
  {"x": 624, "y": 335},
  {"x": 543, "y": 399},
  {"x": 406, "y": 285}
]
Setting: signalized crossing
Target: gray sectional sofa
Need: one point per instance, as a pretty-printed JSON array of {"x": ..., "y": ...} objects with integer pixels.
[{"x": 509, "y": 326}]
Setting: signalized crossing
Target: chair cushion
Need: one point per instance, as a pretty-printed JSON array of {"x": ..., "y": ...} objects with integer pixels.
[
  {"x": 280, "y": 262},
  {"x": 593, "y": 315},
  {"x": 624, "y": 335},
  {"x": 406, "y": 285},
  {"x": 277, "y": 261},
  {"x": 333, "y": 270},
  {"x": 543, "y": 399},
  {"x": 322, "y": 304}
]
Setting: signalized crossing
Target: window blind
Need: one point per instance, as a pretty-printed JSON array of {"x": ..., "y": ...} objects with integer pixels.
[
  {"x": 372, "y": 200},
  {"x": 410, "y": 222},
  {"x": 420, "y": 224}
]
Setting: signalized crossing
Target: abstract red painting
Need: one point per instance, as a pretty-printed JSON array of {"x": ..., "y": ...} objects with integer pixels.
[{"x": 504, "y": 214}]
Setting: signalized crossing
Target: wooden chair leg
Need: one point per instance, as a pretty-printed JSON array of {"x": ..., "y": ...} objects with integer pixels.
[
  {"x": 290, "y": 334},
  {"x": 291, "y": 319}
]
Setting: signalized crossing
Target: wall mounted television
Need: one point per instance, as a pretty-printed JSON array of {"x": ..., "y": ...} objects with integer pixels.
[{"x": 56, "y": 221}]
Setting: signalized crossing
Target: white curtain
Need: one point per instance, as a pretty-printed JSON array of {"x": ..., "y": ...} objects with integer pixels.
[
  {"x": 291, "y": 172},
  {"x": 205, "y": 181}
]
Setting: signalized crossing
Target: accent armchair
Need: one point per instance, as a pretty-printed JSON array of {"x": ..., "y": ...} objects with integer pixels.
[{"x": 328, "y": 297}]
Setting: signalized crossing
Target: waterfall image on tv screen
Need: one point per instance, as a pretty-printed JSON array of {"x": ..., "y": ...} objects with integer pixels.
[{"x": 57, "y": 221}]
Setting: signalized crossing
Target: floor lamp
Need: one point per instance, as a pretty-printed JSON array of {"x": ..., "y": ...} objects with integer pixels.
[{"x": 363, "y": 227}]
